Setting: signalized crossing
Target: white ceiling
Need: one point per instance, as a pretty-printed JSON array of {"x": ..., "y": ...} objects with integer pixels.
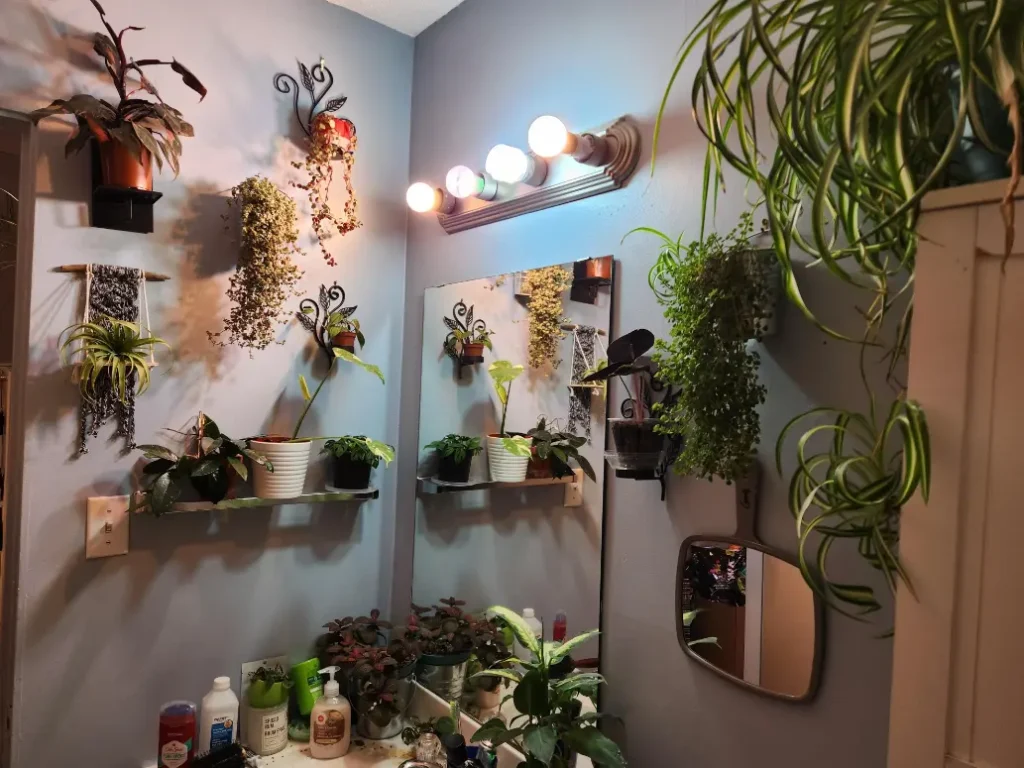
[{"x": 408, "y": 16}]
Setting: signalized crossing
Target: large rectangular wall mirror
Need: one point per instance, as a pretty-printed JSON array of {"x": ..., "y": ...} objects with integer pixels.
[{"x": 485, "y": 533}]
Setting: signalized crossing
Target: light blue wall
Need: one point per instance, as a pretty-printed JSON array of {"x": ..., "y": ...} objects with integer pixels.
[
  {"x": 482, "y": 74},
  {"x": 102, "y": 644}
]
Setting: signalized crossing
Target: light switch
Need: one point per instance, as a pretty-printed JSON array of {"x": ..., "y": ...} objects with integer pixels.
[{"x": 106, "y": 527}]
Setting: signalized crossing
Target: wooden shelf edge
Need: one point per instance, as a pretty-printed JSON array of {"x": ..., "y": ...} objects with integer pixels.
[
  {"x": 573, "y": 486},
  {"x": 255, "y": 502}
]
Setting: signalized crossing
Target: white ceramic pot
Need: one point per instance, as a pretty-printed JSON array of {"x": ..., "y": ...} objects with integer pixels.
[
  {"x": 290, "y": 461},
  {"x": 505, "y": 467}
]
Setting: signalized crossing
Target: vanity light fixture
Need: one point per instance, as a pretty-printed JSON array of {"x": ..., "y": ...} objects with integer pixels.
[
  {"x": 424, "y": 198},
  {"x": 513, "y": 166},
  {"x": 548, "y": 137},
  {"x": 463, "y": 182}
]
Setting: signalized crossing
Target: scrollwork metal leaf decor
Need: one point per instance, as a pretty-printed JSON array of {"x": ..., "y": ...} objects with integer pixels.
[
  {"x": 315, "y": 317},
  {"x": 285, "y": 83},
  {"x": 462, "y": 327}
]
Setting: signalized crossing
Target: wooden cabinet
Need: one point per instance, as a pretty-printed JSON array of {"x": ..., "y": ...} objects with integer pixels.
[{"x": 958, "y": 667}]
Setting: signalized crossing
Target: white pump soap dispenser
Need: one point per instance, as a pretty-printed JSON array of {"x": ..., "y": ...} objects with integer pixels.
[{"x": 330, "y": 722}]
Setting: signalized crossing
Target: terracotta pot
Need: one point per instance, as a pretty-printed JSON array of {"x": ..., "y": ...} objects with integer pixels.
[
  {"x": 538, "y": 469},
  {"x": 345, "y": 340},
  {"x": 121, "y": 168},
  {"x": 600, "y": 268},
  {"x": 473, "y": 350}
]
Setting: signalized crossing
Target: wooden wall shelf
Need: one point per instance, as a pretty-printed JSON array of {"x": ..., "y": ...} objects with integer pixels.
[
  {"x": 573, "y": 486},
  {"x": 253, "y": 502}
]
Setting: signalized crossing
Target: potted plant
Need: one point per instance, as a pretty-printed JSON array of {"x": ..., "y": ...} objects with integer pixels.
[
  {"x": 267, "y": 718},
  {"x": 135, "y": 131},
  {"x": 345, "y": 332},
  {"x": 553, "y": 450},
  {"x": 475, "y": 341},
  {"x": 600, "y": 268},
  {"x": 446, "y": 637},
  {"x": 379, "y": 695},
  {"x": 545, "y": 287},
  {"x": 265, "y": 275},
  {"x": 491, "y": 651},
  {"x": 467, "y": 335},
  {"x": 112, "y": 354},
  {"x": 508, "y": 455},
  {"x": 209, "y": 466},
  {"x": 456, "y": 454},
  {"x": 354, "y": 458},
  {"x": 717, "y": 295},
  {"x": 550, "y": 729}
]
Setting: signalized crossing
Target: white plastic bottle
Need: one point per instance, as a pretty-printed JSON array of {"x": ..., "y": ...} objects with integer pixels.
[
  {"x": 218, "y": 718},
  {"x": 530, "y": 617},
  {"x": 330, "y": 722}
]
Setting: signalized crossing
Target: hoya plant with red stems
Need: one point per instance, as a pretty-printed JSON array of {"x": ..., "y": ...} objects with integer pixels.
[{"x": 146, "y": 128}]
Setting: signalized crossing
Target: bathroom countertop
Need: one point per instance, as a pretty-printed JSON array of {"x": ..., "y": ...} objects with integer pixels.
[{"x": 363, "y": 754}]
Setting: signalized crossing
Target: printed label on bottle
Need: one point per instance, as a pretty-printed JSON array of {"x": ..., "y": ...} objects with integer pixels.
[
  {"x": 222, "y": 733},
  {"x": 275, "y": 730},
  {"x": 174, "y": 754},
  {"x": 329, "y": 727}
]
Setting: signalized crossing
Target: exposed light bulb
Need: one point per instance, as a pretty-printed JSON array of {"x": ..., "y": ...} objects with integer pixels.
[
  {"x": 548, "y": 136},
  {"x": 422, "y": 197},
  {"x": 508, "y": 164},
  {"x": 464, "y": 182}
]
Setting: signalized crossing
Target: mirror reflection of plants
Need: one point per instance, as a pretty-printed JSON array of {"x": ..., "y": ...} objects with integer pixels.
[
  {"x": 545, "y": 287},
  {"x": 211, "y": 461},
  {"x": 111, "y": 353},
  {"x": 716, "y": 296},
  {"x": 355, "y": 458},
  {"x": 550, "y": 727},
  {"x": 503, "y": 373},
  {"x": 468, "y": 335},
  {"x": 265, "y": 276},
  {"x": 456, "y": 454},
  {"x": 559, "y": 448}
]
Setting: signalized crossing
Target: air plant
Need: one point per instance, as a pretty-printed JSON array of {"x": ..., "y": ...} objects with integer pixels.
[{"x": 109, "y": 351}]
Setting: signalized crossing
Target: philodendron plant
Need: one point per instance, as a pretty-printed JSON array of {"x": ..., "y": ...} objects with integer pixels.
[
  {"x": 550, "y": 727},
  {"x": 503, "y": 373}
]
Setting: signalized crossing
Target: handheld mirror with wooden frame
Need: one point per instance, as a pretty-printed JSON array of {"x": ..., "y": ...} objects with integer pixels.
[{"x": 744, "y": 611}]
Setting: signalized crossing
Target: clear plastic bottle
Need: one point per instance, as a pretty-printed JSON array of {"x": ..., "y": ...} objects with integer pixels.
[
  {"x": 330, "y": 722},
  {"x": 218, "y": 717}
]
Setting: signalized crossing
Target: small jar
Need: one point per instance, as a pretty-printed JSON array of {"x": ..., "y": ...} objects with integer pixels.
[{"x": 266, "y": 730}]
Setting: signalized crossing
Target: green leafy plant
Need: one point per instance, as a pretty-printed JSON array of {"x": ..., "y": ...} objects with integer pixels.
[
  {"x": 339, "y": 354},
  {"x": 442, "y": 630},
  {"x": 549, "y": 726},
  {"x": 110, "y": 352},
  {"x": 490, "y": 651},
  {"x": 561, "y": 448},
  {"x": 688, "y": 617},
  {"x": 360, "y": 449},
  {"x": 869, "y": 109},
  {"x": 458, "y": 447},
  {"x": 268, "y": 687},
  {"x": 207, "y": 467},
  {"x": 373, "y": 686},
  {"x": 503, "y": 373},
  {"x": 716, "y": 295},
  {"x": 545, "y": 287},
  {"x": 338, "y": 323},
  {"x": 361, "y": 630},
  {"x": 265, "y": 276},
  {"x": 139, "y": 124}
]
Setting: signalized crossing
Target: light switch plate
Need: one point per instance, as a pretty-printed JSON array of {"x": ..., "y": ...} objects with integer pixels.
[{"x": 106, "y": 527}]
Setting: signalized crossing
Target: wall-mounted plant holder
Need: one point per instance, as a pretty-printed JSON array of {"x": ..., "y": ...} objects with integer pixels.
[
  {"x": 467, "y": 337},
  {"x": 622, "y": 139},
  {"x": 589, "y": 275},
  {"x": 330, "y": 321},
  {"x": 122, "y": 208}
]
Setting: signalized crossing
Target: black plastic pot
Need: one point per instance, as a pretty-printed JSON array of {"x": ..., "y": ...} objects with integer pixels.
[
  {"x": 351, "y": 475},
  {"x": 972, "y": 161},
  {"x": 451, "y": 471},
  {"x": 632, "y": 436}
]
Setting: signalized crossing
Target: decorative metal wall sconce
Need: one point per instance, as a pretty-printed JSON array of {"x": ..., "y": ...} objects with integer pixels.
[
  {"x": 330, "y": 322},
  {"x": 613, "y": 153},
  {"x": 285, "y": 83},
  {"x": 467, "y": 337}
]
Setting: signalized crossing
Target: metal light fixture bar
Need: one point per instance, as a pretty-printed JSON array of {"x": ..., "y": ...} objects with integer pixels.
[{"x": 622, "y": 142}]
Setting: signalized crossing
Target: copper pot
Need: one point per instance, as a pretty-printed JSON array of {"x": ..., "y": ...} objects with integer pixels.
[
  {"x": 121, "y": 168},
  {"x": 473, "y": 350},
  {"x": 539, "y": 469},
  {"x": 345, "y": 340},
  {"x": 600, "y": 268}
]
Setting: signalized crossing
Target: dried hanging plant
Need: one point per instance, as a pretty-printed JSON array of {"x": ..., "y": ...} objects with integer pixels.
[
  {"x": 266, "y": 275},
  {"x": 545, "y": 287},
  {"x": 330, "y": 135}
]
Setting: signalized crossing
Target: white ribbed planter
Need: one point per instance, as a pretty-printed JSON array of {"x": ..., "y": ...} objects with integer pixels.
[
  {"x": 290, "y": 461},
  {"x": 505, "y": 467}
]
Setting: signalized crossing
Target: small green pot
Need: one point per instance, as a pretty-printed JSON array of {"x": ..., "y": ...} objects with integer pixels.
[{"x": 263, "y": 696}]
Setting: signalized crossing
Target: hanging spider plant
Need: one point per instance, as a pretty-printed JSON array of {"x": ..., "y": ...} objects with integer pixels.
[
  {"x": 870, "y": 106},
  {"x": 110, "y": 352}
]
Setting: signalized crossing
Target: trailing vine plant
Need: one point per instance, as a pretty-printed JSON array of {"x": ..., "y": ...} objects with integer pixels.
[
  {"x": 869, "y": 106},
  {"x": 266, "y": 275},
  {"x": 716, "y": 294},
  {"x": 545, "y": 287}
]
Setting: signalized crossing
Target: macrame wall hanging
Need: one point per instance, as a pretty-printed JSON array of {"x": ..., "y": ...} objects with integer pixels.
[
  {"x": 585, "y": 345},
  {"x": 112, "y": 292}
]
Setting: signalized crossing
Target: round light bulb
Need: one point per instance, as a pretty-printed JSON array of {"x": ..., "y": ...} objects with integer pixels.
[
  {"x": 508, "y": 164},
  {"x": 464, "y": 182},
  {"x": 548, "y": 136},
  {"x": 421, "y": 197}
]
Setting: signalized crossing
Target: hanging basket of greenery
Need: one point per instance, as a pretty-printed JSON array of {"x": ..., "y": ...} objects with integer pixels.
[
  {"x": 266, "y": 275},
  {"x": 545, "y": 287},
  {"x": 717, "y": 294}
]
